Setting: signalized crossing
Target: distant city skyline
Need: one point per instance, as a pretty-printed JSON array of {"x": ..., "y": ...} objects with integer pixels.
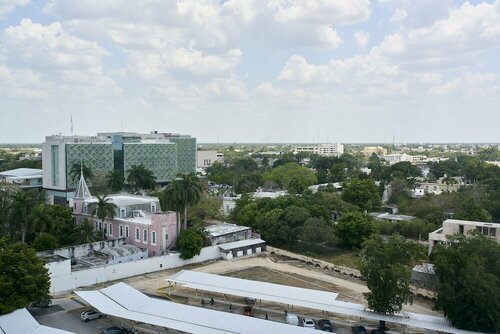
[{"x": 254, "y": 71}]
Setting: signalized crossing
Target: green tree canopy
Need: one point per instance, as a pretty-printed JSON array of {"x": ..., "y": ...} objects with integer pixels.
[
  {"x": 76, "y": 170},
  {"x": 84, "y": 233},
  {"x": 469, "y": 282},
  {"x": 105, "y": 209},
  {"x": 189, "y": 243},
  {"x": 292, "y": 176},
  {"x": 355, "y": 227},
  {"x": 115, "y": 180},
  {"x": 44, "y": 241},
  {"x": 24, "y": 278},
  {"x": 386, "y": 267},
  {"x": 363, "y": 193},
  {"x": 139, "y": 177}
]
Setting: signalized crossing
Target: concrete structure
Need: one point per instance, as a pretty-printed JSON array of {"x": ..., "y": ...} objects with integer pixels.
[
  {"x": 464, "y": 227},
  {"x": 224, "y": 233},
  {"x": 400, "y": 157},
  {"x": 24, "y": 178},
  {"x": 436, "y": 188},
  {"x": 63, "y": 277},
  {"x": 390, "y": 217},
  {"x": 22, "y": 322},
  {"x": 205, "y": 158},
  {"x": 137, "y": 219},
  {"x": 241, "y": 248},
  {"x": 326, "y": 150},
  {"x": 424, "y": 275},
  {"x": 229, "y": 202},
  {"x": 163, "y": 153},
  {"x": 369, "y": 150}
]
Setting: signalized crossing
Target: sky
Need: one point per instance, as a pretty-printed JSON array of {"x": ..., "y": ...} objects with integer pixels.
[{"x": 252, "y": 70}]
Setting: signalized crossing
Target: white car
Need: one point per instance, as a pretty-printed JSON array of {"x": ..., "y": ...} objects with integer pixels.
[
  {"x": 308, "y": 323},
  {"x": 90, "y": 315}
]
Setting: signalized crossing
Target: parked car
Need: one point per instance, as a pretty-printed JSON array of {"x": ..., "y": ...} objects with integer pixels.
[
  {"x": 325, "y": 325},
  {"x": 115, "y": 330},
  {"x": 90, "y": 315},
  {"x": 308, "y": 323},
  {"x": 377, "y": 331},
  {"x": 248, "y": 310},
  {"x": 359, "y": 330},
  {"x": 292, "y": 319}
]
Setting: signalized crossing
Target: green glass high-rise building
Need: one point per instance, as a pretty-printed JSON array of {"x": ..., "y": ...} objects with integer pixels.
[{"x": 165, "y": 154}]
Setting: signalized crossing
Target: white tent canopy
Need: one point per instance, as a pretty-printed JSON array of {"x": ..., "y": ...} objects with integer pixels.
[
  {"x": 307, "y": 298},
  {"x": 120, "y": 300},
  {"x": 21, "y": 321},
  {"x": 277, "y": 293}
]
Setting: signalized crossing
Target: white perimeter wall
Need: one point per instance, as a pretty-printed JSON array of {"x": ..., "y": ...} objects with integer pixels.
[{"x": 61, "y": 280}]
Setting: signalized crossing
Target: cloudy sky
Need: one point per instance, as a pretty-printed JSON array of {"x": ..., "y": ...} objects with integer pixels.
[{"x": 252, "y": 70}]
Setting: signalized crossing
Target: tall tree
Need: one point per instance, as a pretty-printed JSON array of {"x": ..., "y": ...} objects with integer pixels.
[
  {"x": 115, "y": 180},
  {"x": 363, "y": 193},
  {"x": 24, "y": 278},
  {"x": 386, "y": 267},
  {"x": 105, "y": 209},
  {"x": 189, "y": 243},
  {"x": 355, "y": 227},
  {"x": 191, "y": 191},
  {"x": 468, "y": 269},
  {"x": 84, "y": 233},
  {"x": 173, "y": 198},
  {"x": 41, "y": 219},
  {"x": 22, "y": 204},
  {"x": 139, "y": 177},
  {"x": 77, "y": 168}
]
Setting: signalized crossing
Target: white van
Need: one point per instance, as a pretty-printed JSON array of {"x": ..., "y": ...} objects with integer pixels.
[{"x": 292, "y": 319}]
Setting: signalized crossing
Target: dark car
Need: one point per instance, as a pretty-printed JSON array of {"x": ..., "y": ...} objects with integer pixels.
[
  {"x": 248, "y": 310},
  {"x": 359, "y": 330},
  {"x": 377, "y": 331},
  {"x": 115, "y": 330},
  {"x": 325, "y": 325}
]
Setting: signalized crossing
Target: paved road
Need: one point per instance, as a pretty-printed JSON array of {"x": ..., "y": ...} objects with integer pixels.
[{"x": 65, "y": 314}]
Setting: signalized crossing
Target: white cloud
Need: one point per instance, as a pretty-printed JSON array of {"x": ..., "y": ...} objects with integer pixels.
[
  {"x": 361, "y": 38},
  {"x": 61, "y": 63},
  {"x": 7, "y": 6},
  {"x": 321, "y": 11},
  {"x": 399, "y": 15},
  {"x": 48, "y": 46}
]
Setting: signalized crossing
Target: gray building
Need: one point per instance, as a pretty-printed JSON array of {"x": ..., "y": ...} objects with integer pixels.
[{"x": 165, "y": 154}]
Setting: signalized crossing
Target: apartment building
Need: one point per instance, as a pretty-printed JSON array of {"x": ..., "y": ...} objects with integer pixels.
[{"x": 326, "y": 150}]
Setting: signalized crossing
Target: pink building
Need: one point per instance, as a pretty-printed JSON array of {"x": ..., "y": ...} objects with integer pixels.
[{"x": 137, "y": 218}]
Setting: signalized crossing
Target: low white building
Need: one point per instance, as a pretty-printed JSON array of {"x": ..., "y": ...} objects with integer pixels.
[
  {"x": 205, "y": 158},
  {"x": 327, "y": 150},
  {"x": 464, "y": 227},
  {"x": 394, "y": 158},
  {"x": 23, "y": 178}
]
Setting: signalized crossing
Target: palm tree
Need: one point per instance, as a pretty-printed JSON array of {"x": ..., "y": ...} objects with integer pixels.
[
  {"x": 40, "y": 218},
  {"x": 184, "y": 192},
  {"x": 448, "y": 180},
  {"x": 139, "y": 177},
  {"x": 76, "y": 170},
  {"x": 105, "y": 209},
  {"x": 173, "y": 200},
  {"x": 115, "y": 180},
  {"x": 22, "y": 204},
  {"x": 84, "y": 233}
]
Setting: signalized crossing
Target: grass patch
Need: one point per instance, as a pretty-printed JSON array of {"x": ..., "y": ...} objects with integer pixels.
[{"x": 339, "y": 256}]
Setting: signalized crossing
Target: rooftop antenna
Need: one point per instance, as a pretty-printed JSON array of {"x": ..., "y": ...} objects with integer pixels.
[{"x": 71, "y": 120}]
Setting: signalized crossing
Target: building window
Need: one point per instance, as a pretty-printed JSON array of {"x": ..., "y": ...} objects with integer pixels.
[
  {"x": 110, "y": 229},
  {"x": 105, "y": 228},
  {"x": 85, "y": 208},
  {"x": 137, "y": 234},
  {"x": 153, "y": 237},
  {"x": 145, "y": 236},
  {"x": 54, "y": 154},
  {"x": 153, "y": 208},
  {"x": 96, "y": 225},
  {"x": 122, "y": 213},
  {"x": 493, "y": 232},
  {"x": 126, "y": 232},
  {"x": 461, "y": 229},
  {"x": 121, "y": 231}
]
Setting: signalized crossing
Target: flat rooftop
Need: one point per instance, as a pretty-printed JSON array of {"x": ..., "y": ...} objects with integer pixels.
[{"x": 224, "y": 228}]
